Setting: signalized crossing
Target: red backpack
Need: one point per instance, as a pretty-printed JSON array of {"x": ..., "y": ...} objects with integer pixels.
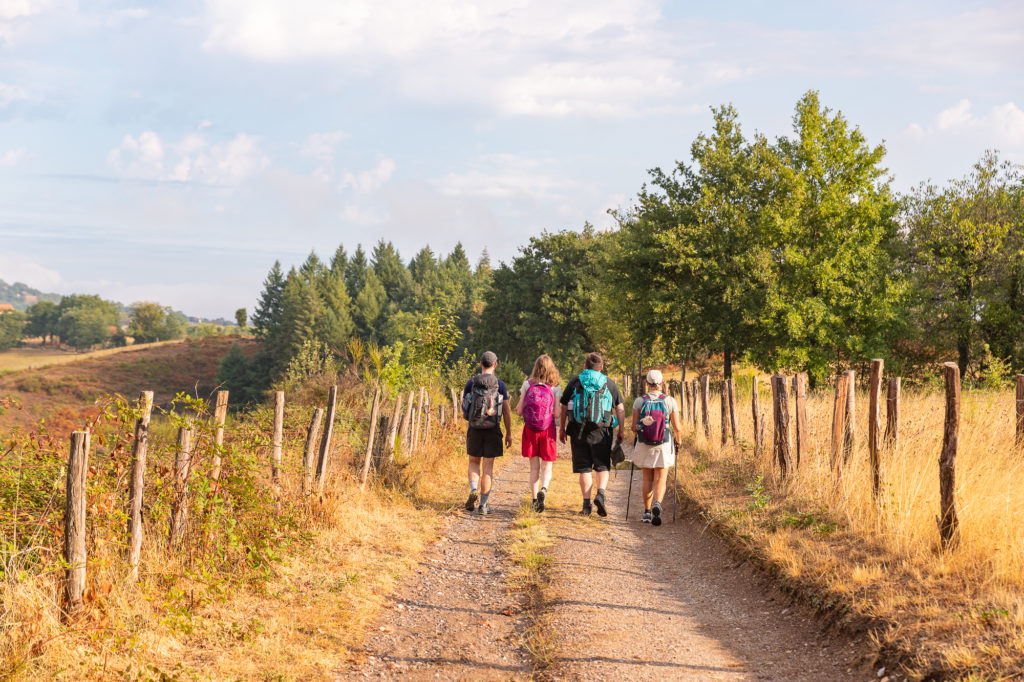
[{"x": 539, "y": 406}]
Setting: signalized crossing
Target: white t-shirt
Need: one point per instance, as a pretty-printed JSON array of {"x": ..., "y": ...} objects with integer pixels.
[{"x": 557, "y": 390}]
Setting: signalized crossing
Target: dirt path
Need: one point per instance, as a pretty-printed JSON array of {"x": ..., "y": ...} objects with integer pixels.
[
  {"x": 455, "y": 619},
  {"x": 626, "y": 601},
  {"x": 631, "y": 601}
]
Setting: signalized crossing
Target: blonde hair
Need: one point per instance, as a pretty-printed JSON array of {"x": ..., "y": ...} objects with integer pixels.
[{"x": 545, "y": 372}]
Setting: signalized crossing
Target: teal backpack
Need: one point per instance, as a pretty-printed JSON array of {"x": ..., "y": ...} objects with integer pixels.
[{"x": 592, "y": 403}]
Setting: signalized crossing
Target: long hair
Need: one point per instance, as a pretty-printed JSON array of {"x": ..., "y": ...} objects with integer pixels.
[{"x": 545, "y": 372}]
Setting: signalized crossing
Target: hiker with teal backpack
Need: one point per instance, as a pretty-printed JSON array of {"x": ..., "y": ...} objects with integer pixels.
[
  {"x": 593, "y": 402},
  {"x": 656, "y": 424},
  {"x": 539, "y": 407},
  {"x": 485, "y": 407}
]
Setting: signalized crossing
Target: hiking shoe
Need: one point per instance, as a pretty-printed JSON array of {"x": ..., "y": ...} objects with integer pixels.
[
  {"x": 538, "y": 504},
  {"x": 599, "y": 503},
  {"x": 586, "y": 511},
  {"x": 646, "y": 518},
  {"x": 656, "y": 514},
  {"x": 471, "y": 501},
  {"x": 483, "y": 510}
]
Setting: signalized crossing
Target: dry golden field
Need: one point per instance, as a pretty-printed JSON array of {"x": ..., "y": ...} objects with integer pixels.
[{"x": 878, "y": 563}]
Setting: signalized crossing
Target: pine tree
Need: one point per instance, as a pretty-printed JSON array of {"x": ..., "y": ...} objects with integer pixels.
[
  {"x": 368, "y": 307},
  {"x": 336, "y": 325},
  {"x": 267, "y": 317},
  {"x": 355, "y": 272}
]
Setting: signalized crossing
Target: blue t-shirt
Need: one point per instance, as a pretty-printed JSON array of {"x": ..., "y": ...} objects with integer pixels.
[{"x": 502, "y": 397}]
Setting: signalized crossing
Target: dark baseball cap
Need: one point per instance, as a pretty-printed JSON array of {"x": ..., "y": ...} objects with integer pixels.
[{"x": 488, "y": 359}]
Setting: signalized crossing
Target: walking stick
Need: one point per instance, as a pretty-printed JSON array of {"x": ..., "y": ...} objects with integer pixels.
[
  {"x": 630, "y": 493},
  {"x": 675, "y": 475}
]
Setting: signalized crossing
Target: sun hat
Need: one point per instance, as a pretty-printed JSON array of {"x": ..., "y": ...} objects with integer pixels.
[{"x": 654, "y": 377}]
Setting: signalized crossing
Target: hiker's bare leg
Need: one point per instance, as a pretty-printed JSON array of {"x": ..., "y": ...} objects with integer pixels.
[
  {"x": 601, "y": 479},
  {"x": 586, "y": 485},
  {"x": 474, "y": 471},
  {"x": 534, "y": 475},
  {"x": 545, "y": 473},
  {"x": 660, "y": 479},
  {"x": 486, "y": 470},
  {"x": 648, "y": 487}
]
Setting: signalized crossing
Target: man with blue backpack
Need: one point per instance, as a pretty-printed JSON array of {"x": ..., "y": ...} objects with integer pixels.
[
  {"x": 485, "y": 406},
  {"x": 656, "y": 424},
  {"x": 595, "y": 406}
]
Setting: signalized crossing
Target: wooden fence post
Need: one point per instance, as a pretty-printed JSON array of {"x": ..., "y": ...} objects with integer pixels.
[
  {"x": 325, "y": 439},
  {"x": 725, "y": 410},
  {"x": 850, "y": 424},
  {"x": 1020, "y": 409},
  {"x": 755, "y": 410},
  {"x": 800, "y": 407},
  {"x": 838, "y": 418},
  {"x": 74, "y": 519},
  {"x": 428, "y": 415},
  {"x": 220, "y": 413},
  {"x": 892, "y": 413},
  {"x": 370, "y": 438},
  {"x": 310, "y": 449},
  {"x": 275, "y": 458},
  {"x": 704, "y": 382},
  {"x": 389, "y": 446},
  {"x": 694, "y": 409},
  {"x": 182, "y": 460},
  {"x": 417, "y": 426},
  {"x": 874, "y": 429},
  {"x": 948, "y": 522},
  {"x": 731, "y": 385},
  {"x": 137, "y": 486},
  {"x": 455, "y": 406},
  {"x": 407, "y": 423},
  {"x": 780, "y": 401}
]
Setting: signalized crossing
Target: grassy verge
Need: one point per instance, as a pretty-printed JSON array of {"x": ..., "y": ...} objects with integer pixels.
[
  {"x": 528, "y": 545},
  {"x": 875, "y": 565},
  {"x": 255, "y": 590}
]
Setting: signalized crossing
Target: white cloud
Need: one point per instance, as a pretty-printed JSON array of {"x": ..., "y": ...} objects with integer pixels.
[
  {"x": 1002, "y": 127},
  {"x": 501, "y": 176},
  {"x": 321, "y": 146},
  {"x": 15, "y": 267},
  {"x": 191, "y": 159},
  {"x": 369, "y": 180},
  {"x": 520, "y": 57},
  {"x": 12, "y": 157}
]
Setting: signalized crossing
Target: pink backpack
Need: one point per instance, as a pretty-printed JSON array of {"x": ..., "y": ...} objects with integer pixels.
[{"x": 539, "y": 406}]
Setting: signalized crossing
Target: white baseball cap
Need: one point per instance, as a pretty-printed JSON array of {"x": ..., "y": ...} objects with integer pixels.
[{"x": 654, "y": 377}]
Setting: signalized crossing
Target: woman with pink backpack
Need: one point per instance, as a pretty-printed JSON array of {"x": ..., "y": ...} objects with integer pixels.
[
  {"x": 656, "y": 424},
  {"x": 539, "y": 408}
]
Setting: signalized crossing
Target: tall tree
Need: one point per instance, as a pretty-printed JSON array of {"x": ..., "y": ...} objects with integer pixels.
[{"x": 267, "y": 317}]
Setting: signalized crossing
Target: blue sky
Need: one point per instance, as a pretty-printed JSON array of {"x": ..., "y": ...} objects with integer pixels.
[{"x": 173, "y": 151}]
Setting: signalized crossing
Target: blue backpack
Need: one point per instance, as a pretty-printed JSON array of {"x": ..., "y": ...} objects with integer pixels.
[{"x": 592, "y": 402}]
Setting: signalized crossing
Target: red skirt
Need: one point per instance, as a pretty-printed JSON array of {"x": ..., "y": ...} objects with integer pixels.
[{"x": 540, "y": 443}]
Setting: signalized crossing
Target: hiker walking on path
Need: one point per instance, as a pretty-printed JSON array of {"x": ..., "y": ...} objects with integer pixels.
[
  {"x": 656, "y": 424},
  {"x": 539, "y": 407},
  {"x": 596, "y": 411},
  {"x": 484, "y": 403}
]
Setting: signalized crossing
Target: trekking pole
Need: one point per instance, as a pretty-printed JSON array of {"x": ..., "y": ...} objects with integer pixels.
[
  {"x": 630, "y": 493},
  {"x": 675, "y": 475}
]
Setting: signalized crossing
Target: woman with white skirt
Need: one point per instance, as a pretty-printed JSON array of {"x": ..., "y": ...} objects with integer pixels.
[{"x": 656, "y": 425}]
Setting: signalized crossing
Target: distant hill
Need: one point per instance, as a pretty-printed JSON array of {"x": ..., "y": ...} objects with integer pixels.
[{"x": 21, "y": 295}]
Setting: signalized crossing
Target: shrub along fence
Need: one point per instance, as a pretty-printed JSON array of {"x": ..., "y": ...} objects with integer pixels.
[{"x": 395, "y": 422}]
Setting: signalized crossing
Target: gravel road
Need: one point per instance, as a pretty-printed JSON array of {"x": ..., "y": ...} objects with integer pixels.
[{"x": 627, "y": 601}]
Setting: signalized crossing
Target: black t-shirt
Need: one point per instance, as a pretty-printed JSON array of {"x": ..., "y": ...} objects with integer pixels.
[{"x": 594, "y": 435}]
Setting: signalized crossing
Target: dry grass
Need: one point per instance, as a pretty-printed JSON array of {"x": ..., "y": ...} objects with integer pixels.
[
  {"x": 35, "y": 357},
  {"x": 528, "y": 544},
  {"x": 961, "y": 610},
  {"x": 289, "y": 609}
]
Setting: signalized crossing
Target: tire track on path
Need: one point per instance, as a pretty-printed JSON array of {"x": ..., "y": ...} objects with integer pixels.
[
  {"x": 451, "y": 620},
  {"x": 629, "y": 601}
]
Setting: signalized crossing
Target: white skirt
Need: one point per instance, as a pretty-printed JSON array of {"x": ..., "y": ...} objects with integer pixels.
[{"x": 654, "y": 456}]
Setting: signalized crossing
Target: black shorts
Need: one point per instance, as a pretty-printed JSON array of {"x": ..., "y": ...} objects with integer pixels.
[
  {"x": 484, "y": 442},
  {"x": 591, "y": 454}
]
